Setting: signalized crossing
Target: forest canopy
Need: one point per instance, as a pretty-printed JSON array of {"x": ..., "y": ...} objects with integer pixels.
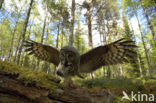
[{"x": 83, "y": 24}]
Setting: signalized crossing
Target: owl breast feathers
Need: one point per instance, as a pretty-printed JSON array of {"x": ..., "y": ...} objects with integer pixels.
[{"x": 116, "y": 52}]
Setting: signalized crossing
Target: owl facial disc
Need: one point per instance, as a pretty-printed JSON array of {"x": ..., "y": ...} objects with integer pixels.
[{"x": 69, "y": 62}]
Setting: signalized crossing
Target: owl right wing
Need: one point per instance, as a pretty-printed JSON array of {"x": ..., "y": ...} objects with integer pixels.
[
  {"x": 43, "y": 52},
  {"x": 113, "y": 53}
]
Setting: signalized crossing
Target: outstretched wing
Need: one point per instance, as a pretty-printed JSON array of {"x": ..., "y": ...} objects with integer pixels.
[
  {"x": 114, "y": 53},
  {"x": 43, "y": 52}
]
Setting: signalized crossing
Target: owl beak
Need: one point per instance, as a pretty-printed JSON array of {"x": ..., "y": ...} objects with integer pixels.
[{"x": 66, "y": 64}]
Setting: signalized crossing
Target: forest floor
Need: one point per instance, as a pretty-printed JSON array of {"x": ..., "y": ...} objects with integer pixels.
[{"x": 22, "y": 85}]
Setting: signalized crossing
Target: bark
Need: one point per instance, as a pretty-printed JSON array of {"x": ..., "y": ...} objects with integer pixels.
[
  {"x": 120, "y": 70},
  {"x": 145, "y": 49},
  {"x": 12, "y": 42},
  {"x": 113, "y": 71},
  {"x": 62, "y": 35},
  {"x": 23, "y": 58},
  {"x": 108, "y": 72},
  {"x": 150, "y": 26},
  {"x": 24, "y": 31},
  {"x": 78, "y": 37},
  {"x": 72, "y": 23},
  {"x": 58, "y": 33},
  {"x": 104, "y": 33},
  {"x": 47, "y": 34},
  {"x": 89, "y": 26},
  {"x": 78, "y": 41}
]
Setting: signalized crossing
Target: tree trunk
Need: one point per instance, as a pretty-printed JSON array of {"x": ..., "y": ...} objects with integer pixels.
[
  {"x": 89, "y": 23},
  {"x": 72, "y": 23},
  {"x": 57, "y": 41},
  {"x": 42, "y": 36},
  {"x": 89, "y": 27},
  {"x": 139, "y": 63},
  {"x": 58, "y": 33},
  {"x": 108, "y": 72},
  {"x": 44, "y": 25},
  {"x": 23, "y": 58},
  {"x": 108, "y": 31},
  {"x": 104, "y": 71},
  {"x": 1, "y": 3},
  {"x": 47, "y": 42},
  {"x": 47, "y": 34},
  {"x": 99, "y": 21},
  {"x": 104, "y": 32},
  {"x": 24, "y": 31},
  {"x": 17, "y": 48},
  {"x": 145, "y": 49},
  {"x": 12, "y": 42},
  {"x": 78, "y": 36},
  {"x": 120, "y": 70},
  {"x": 29, "y": 32},
  {"x": 62, "y": 35},
  {"x": 62, "y": 32},
  {"x": 113, "y": 71},
  {"x": 150, "y": 26}
]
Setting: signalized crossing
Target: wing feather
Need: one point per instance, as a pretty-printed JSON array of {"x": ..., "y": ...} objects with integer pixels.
[
  {"x": 114, "y": 53},
  {"x": 43, "y": 52}
]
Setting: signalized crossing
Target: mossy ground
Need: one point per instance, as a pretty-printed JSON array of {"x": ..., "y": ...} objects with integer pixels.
[
  {"x": 43, "y": 80},
  {"x": 118, "y": 85},
  {"x": 29, "y": 76}
]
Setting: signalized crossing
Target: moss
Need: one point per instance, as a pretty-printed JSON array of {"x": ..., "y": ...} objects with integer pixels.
[
  {"x": 117, "y": 85},
  {"x": 28, "y": 76},
  {"x": 114, "y": 84}
]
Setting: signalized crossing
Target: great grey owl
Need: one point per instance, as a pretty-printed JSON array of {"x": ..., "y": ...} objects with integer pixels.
[{"x": 70, "y": 63}]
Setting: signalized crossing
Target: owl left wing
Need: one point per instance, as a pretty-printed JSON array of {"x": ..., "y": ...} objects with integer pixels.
[
  {"x": 113, "y": 53},
  {"x": 43, "y": 52}
]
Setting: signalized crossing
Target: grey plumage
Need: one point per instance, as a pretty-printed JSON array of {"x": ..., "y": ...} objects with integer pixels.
[{"x": 71, "y": 63}]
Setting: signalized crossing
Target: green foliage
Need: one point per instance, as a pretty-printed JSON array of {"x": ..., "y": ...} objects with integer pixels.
[
  {"x": 79, "y": 42},
  {"x": 26, "y": 61},
  {"x": 128, "y": 33},
  {"x": 133, "y": 68},
  {"x": 5, "y": 36}
]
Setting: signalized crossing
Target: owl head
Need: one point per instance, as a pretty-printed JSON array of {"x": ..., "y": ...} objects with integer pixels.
[{"x": 69, "y": 61}]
